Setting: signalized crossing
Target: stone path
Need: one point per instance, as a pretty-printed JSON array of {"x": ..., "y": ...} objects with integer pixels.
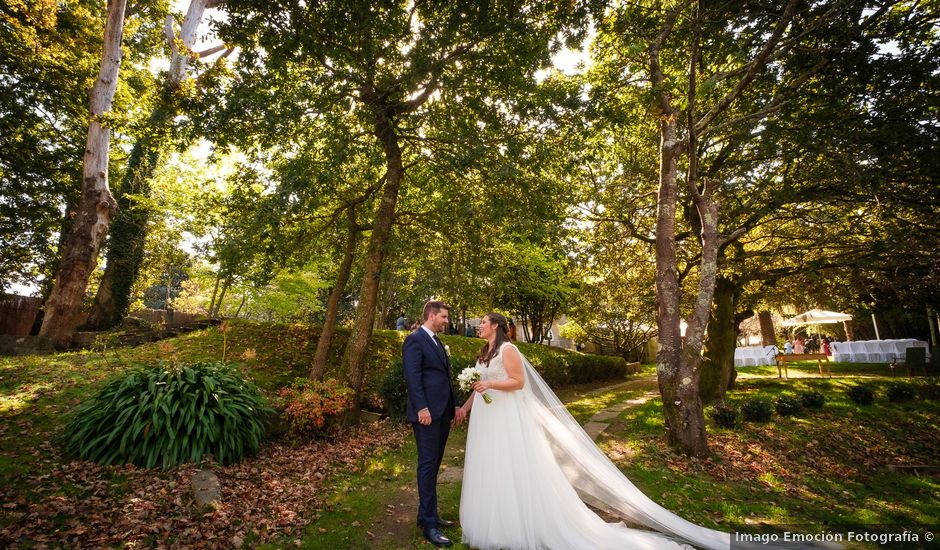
[{"x": 596, "y": 425}]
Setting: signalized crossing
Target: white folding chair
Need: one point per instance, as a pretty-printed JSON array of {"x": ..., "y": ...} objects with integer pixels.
[
  {"x": 856, "y": 352},
  {"x": 874, "y": 352},
  {"x": 839, "y": 352}
]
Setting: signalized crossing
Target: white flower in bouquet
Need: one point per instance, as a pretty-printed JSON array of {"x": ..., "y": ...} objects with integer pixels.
[{"x": 466, "y": 379}]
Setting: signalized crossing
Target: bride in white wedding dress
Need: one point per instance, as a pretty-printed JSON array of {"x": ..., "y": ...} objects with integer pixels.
[{"x": 528, "y": 465}]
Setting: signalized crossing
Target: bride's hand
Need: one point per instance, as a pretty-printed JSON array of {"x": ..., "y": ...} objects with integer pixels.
[{"x": 481, "y": 386}]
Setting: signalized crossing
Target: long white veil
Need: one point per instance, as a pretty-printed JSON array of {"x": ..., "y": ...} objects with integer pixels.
[{"x": 598, "y": 480}]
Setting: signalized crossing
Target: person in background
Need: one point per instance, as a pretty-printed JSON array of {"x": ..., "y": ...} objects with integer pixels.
[
  {"x": 825, "y": 346},
  {"x": 469, "y": 332},
  {"x": 402, "y": 322},
  {"x": 788, "y": 348},
  {"x": 798, "y": 346},
  {"x": 512, "y": 331}
]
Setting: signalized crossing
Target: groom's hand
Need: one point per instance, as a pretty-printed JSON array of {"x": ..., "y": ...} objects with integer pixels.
[{"x": 424, "y": 417}]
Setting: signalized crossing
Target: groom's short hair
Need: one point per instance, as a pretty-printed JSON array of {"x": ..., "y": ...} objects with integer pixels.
[{"x": 433, "y": 307}]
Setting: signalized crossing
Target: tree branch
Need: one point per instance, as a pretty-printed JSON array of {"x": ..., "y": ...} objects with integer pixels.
[{"x": 755, "y": 65}]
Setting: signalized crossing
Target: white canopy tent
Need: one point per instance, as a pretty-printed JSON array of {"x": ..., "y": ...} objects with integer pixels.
[{"x": 817, "y": 317}]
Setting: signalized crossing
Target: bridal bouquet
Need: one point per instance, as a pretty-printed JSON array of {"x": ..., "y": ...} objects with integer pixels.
[{"x": 467, "y": 377}]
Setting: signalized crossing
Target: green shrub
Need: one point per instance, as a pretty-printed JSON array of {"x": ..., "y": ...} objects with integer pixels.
[
  {"x": 580, "y": 371},
  {"x": 584, "y": 368},
  {"x": 167, "y": 415},
  {"x": 393, "y": 390},
  {"x": 724, "y": 414},
  {"x": 930, "y": 392},
  {"x": 899, "y": 393},
  {"x": 788, "y": 405},
  {"x": 312, "y": 408},
  {"x": 555, "y": 371},
  {"x": 756, "y": 410},
  {"x": 812, "y": 399},
  {"x": 861, "y": 395},
  {"x": 557, "y": 367}
]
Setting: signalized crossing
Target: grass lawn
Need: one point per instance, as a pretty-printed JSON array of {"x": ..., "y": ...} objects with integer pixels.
[
  {"x": 821, "y": 469},
  {"x": 360, "y": 504},
  {"x": 80, "y": 501},
  {"x": 799, "y": 369},
  {"x": 816, "y": 472}
]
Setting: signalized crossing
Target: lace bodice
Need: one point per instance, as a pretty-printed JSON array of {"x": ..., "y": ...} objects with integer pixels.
[{"x": 495, "y": 370}]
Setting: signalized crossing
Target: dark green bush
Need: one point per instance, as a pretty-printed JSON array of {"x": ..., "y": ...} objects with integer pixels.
[
  {"x": 556, "y": 367},
  {"x": 555, "y": 371},
  {"x": 930, "y": 392},
  {"x": 861, "y": 395},
  {"x": 168, "y": 415},
  {"x": 590, "y": 368},
  {"x": 788, "y": 405},
  {"x": 812, "y": 399},
  {"x": 899, "y": 393},
  {"x": 581, "y": 371},
  {"x": 724, "y": 414},
  {"x": 393, "y": 390},
  {"x": 756, "y": 409}
]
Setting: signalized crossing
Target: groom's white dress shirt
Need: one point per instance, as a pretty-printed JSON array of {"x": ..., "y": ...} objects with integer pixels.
[{"x": 430, "y": 333}]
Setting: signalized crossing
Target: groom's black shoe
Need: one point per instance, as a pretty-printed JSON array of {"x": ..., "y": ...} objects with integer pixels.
[
  {"x": 440, "y": 523},
  {"x": 437, "y": 538}
]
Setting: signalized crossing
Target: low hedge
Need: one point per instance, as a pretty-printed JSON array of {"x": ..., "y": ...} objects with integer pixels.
[
  {"x": 557, "y": 367},
  {"x": 276, "y": 354}
]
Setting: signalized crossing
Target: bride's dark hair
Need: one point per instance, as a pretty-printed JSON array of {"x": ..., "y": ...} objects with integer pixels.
[{"x": 502, "y": 328}]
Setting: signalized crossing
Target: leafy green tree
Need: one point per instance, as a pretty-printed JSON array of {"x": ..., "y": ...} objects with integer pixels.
[
  {"x": 50, "y": 54},
  {"x": 396, "y": 68},
  {"x": 534, "y": 284},
  {"x": 710, "y": 85}
]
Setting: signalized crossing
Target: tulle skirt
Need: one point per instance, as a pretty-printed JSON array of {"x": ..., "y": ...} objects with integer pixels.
[{"x": 516, "y": 496}]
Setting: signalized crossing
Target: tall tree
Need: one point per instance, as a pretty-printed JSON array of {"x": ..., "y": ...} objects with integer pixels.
[
  {"x": 97, "y": 205},
  {"x": 710, "y": 84},
  {"x": 50, "y": 57},
  {"x": 128, "y": 234},
  {"x": 388, "y": 63}
]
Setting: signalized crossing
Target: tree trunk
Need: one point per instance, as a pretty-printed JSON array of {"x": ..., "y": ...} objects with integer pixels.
[
  {"x": 768, "y": 336},
  {"x": 849, "y": 331},
  {"x": 332, "y": 307},
  {"x": 721, "y": 339},
  {"x": 354, "y": 356},
  {"x": 218, "y": 304},
  {"x": 128, "y": 233},
  {"x": 129, "y": 230},
  {"x": 678, "y": 374},
  {"x": 97, "y": 205},
  {"x": 240, "y": 304},
  {"x": 679, "y": 363},
  {"x": 215, "y": 292}
]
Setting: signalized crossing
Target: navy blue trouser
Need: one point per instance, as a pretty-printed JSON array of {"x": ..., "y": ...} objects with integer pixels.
[{"x": 431, "y": 441}]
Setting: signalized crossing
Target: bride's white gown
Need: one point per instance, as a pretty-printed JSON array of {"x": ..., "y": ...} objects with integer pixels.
[{"x": 527, "y": 460}]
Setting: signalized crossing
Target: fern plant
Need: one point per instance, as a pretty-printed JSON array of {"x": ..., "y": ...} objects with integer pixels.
[{"x": 168, "y": 415}]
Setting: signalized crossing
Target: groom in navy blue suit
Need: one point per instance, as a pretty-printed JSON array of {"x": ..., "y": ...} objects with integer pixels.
[{"x": 432, "y": 406}]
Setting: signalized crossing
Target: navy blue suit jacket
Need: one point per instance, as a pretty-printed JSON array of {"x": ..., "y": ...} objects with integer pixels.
[{"x": 427, "y": 376}]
